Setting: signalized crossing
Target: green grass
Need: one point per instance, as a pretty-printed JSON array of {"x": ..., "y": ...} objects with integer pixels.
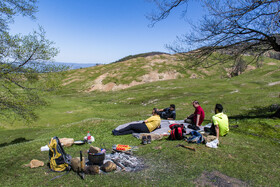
[{"x": 249, "y": 153}]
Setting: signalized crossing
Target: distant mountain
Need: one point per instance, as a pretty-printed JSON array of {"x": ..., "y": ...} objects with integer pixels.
[
  {"x": 140, "y": 55},
  {"x": 76, "y": 65}
]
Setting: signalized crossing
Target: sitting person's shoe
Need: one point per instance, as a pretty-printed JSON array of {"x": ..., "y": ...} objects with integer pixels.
[
  {"x": 190, "y": 126},
  {"x": 144, "y": 140},
  {"x": 149, "y": 139},
  {"x": 196, "y": 128}
]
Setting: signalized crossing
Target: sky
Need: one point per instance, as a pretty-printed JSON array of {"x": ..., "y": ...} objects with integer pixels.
[{"x": 104, "y": 31}]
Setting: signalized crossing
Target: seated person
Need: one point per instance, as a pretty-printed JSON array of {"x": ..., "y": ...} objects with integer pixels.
[
  {"x": 168, "y": 113},
  {"x": 147, "y": 126},
  {"x": 196, "y": 118},
  {"x": 220, "y": 126}
]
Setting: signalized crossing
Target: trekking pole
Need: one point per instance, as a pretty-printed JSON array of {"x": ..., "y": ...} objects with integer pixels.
[{"x": 81, "y": 170}]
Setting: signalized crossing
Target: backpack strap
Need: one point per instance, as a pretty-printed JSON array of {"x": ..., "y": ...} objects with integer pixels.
[
  {"x": 173, "y": 137},
  {"x": 179, "y": 133}
]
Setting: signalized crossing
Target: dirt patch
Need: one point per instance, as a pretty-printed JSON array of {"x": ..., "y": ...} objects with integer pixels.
[
  {"x": 151, "y": 77},
  {"x": 274, "y": 83},
  {"x": 216, "y": 178},
  {"x": 71, "y": 81},
  {"x": 272, "y": 72},
  {"x": 250, "y": 68},
  {"x": 271, "y": 64}
]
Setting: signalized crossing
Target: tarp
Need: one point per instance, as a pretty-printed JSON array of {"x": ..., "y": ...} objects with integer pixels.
[{"x": 164, "y": 127}]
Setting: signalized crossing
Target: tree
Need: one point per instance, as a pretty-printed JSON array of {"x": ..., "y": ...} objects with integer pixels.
[
  {"x": 24, "y": 73},
  {"x": 232, "y": 27}
]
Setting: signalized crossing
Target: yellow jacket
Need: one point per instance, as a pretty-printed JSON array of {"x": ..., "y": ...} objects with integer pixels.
[{"x": 153, "y": 122}]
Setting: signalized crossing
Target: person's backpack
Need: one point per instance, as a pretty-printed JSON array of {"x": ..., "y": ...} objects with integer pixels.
[
  {"x": 177, "y": 131},
  {"x": 195, "y": 137},
  {"x": 59, "y": 160}
]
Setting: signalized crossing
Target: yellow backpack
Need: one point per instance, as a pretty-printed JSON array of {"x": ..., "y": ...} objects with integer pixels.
[{"x": 59, "y": 160}]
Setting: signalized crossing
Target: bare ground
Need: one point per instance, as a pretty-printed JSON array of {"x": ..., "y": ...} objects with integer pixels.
[
  {"x": 151, "y": 77},
  {"x": 215, "y": 178}
]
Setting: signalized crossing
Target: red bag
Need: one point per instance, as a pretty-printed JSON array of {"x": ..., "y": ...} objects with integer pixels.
[{"x": 177, "y": 131}]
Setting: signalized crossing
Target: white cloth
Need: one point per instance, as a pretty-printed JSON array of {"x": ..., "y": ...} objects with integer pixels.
[{"x": 213, "y": 144}]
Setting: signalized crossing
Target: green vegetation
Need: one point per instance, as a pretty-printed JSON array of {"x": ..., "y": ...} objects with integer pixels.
[{"x": 249, "y": 153}]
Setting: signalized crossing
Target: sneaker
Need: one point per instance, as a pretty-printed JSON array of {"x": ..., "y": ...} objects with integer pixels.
[
  {"x": 144, "y": 140},
  {"x": 196, "y": 128},
  {"x": 149, "y": 139}
]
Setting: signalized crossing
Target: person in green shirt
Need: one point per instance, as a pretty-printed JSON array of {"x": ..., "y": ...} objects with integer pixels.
[{"x": 220, "y": 126}]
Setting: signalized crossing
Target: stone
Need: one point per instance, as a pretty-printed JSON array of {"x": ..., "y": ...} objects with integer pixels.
[
  {"x": 93, "y": 149},
  {"x": 109, "y": 166}
]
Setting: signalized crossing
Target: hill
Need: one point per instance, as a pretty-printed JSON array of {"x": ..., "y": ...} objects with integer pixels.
[
  {"x": 249, "y": 154},
  {"x": 146, "y": 68}
]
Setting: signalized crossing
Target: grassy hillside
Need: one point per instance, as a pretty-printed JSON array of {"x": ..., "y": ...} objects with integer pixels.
[
  {"x": 249, "y": 153},
  {"x": 143, "y": 69}
]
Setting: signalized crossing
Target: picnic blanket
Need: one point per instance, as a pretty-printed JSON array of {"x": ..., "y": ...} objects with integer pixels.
[{"x": 164, "y": 127}]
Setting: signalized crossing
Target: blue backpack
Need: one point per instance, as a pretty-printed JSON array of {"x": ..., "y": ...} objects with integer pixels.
[{"x": 196, "y": 137}]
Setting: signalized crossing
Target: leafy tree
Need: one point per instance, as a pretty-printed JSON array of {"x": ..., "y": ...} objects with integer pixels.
[
  {"x": 24, "y": 73},
  {"x": 232, "y": 27}
]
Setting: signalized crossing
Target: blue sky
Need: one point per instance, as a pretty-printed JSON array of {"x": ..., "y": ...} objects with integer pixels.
[{"x": 103, "y": 31}]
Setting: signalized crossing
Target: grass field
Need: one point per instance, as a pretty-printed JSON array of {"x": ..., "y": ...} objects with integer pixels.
[{"x": 249, "y": 153}]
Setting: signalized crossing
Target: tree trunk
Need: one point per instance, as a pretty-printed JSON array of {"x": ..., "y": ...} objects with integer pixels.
[{"x": 277, "y": 113}]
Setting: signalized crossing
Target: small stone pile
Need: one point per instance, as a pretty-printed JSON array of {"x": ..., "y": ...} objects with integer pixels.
[{"x": 116, "y": 161}]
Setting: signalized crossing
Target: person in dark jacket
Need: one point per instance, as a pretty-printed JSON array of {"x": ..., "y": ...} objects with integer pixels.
[{"x": 168, "y": 113}]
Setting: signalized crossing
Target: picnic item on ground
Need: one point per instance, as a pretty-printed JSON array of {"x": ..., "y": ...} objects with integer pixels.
[
  {"x": 177, "y": 131},
  {"x": 45, "y": 148},
  {"x": 81, "y": 172},
  {"x": 120, "y": 147},
  {"x": 213, "y": 144},
  {"x": 59, "y": 160},
  {"x": 196, "y": 137},
  {"x": 187, "y": 147},
  {"x": 79, "y": 142},
  {"x": 96, "y": 158},
  {"x": 127, "y": 149}
]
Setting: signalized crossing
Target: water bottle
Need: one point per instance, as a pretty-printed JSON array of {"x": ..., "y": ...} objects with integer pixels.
[{"x": 88, "y": 136}]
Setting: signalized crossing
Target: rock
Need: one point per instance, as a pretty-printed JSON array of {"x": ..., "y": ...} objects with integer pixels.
[
  {"x": 35, "y": 163},
  {"x": 66, "y": 142},
  {"x": 92, "y": 170},
  {"x": 93, "y": 149},
  {"x": 209, "y": 138},
  {"x": 76, "y": 165},
  {"x": 109, "y": 166}
]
